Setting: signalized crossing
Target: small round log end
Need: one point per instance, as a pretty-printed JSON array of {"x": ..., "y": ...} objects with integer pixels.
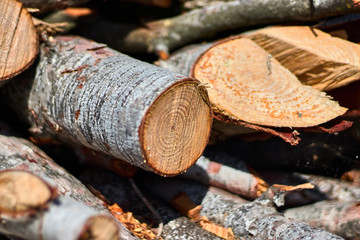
[
  {"x": 100, "y": 228},
  {"x": 176, "y": 128},
  {"x": 21, "y": 191}
]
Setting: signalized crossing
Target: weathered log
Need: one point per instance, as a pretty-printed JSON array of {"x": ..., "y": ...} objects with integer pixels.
[
  {"x": 31, "y": 209},
  {"x": 167, "y": 34},
  {"x": 20, "y": 154},
  {"x": 255, "y": 220},
  {"x": 315, "y": 57},
  {"x": 237, "y": 180},
  {"x": 341, "y": 218},
  {"x": 49, "y": 5},
  {"x": 19, "y": 41},
  {"x": 86, "y": 93}
]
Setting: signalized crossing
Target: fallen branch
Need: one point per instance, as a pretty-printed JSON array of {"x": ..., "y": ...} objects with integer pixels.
[
  {"x": 87, "y": 94},
  {"x": 31, "y": 209},
  {"x": 167, "y": 34},
  {"x": 20, "y": 154},
  {"x": 341, "y": 218},
  {"x": 236, "y": 180}
]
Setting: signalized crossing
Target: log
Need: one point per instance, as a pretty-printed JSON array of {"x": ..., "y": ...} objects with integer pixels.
[
  {"x": 315, "y": 57},
  {"x": 85, "y": 93},
  {"x": 19, "y": 41},
  {"x": 252, "y": 88},
  {"x": 31, "y": 209},
  {"x": 164, "y": 35},
  {"x": 237, "y": 180},
  {"x": 20, "y": 154},
  {"x": 341, "y": 218},
  {"x": 254, "y": 220}
]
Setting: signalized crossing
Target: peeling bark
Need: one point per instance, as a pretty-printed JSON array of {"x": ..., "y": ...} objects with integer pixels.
[
  {"x": 85, "y": 93},
  {"x": 236, "y": 180},
  {"x": 20, "y": 154},
  {"x": 341, "y": 218},
  {"x": 167, "y": 34},
  {"x": 31, "y": 209}
]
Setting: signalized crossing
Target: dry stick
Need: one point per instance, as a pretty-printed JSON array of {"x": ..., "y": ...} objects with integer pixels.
[
  {"x": 255, "y": 220},
  {"x": 31, "y": 209},
  {"x": 116, "y": 189},
  {"x": 167, "y": 34},
  {"x": 19, "y": 42},
  {"x": 236, "y": 180},
  {"x": 341, "y": 218},
  {"x": 17, "y": 153},
  {"x": 316, "y": 58},
  {"x": 88, "y": 94},
  {"x": 248, "y": 88}
]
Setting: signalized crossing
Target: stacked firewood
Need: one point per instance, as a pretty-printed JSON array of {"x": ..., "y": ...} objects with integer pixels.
[{"x": 117, "y": 127}]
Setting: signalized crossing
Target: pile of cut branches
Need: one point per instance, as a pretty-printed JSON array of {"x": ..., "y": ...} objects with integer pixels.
[{"x": 186, "y": 119}]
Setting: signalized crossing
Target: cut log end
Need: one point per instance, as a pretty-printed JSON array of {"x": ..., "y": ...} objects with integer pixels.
[
  {"x": 22, "y": 191},
  {"x": 19, "y": 44},
  {"x": 100, "y": 228},
  {"x": 176, "y": 128},
  {"x": 247, "y": 84}
]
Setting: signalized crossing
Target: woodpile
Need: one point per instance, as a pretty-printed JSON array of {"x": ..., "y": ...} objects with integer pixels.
[{"x": 257, "y": 125}]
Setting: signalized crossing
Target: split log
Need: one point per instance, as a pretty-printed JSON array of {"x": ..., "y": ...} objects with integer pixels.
[
  {"x": 31, "y": 209},
  {"x": 85, "y": 93},
  {"x": 167, "y": 34},
  {"x": 237, "y": 180},
  {"x": 20, "y": 154},
  {"x": 315, "y": 57},
  {"x": 248, "y": 87},
  {"x": 19, "y": 41},
  {"x": 341, "y": 218},
  {"x": 255, "y": 220},
  {"x": 49, "y": 5}
]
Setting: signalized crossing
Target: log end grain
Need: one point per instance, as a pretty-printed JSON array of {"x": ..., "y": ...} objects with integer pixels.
[
  {"x": 19, "y": 44},
  {"x": 22, "y": 191},
  {"x": 176, "y": 128},
  {"x": 247, "y": 84},
  {"x": 315, "y": 57},
  {"x": 100, "y": 228}
]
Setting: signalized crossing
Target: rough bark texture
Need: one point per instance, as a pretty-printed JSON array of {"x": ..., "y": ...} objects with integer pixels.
[
  {"x": 16, "y": 153},
  {"x": 88, "y": 94},
  {"x": 31, "y": 209},
  {"x": 19, "y": 41},
  {"x": 236, "y": 180},
  {"x": 255, "y": 220},
  {"x": 167, "y": 34},
  {"x": 341, "y": 218},
  {"x": 316, "y": 58},
  {"x": 48, "y": 5},
  {"x": 117, "y": 189}
]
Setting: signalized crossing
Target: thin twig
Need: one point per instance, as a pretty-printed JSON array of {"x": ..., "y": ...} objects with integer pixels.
[{"x": 148, "y": 205}]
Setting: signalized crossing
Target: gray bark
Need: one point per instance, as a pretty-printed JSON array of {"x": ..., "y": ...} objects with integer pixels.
[
  {"x": 167, "y": 34},
  {"x": 341, "y": 218},
  {"x": 85, "y": 93},
  {"x": 16, "y": 153},
  {"x": 254, "y": 220}
]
